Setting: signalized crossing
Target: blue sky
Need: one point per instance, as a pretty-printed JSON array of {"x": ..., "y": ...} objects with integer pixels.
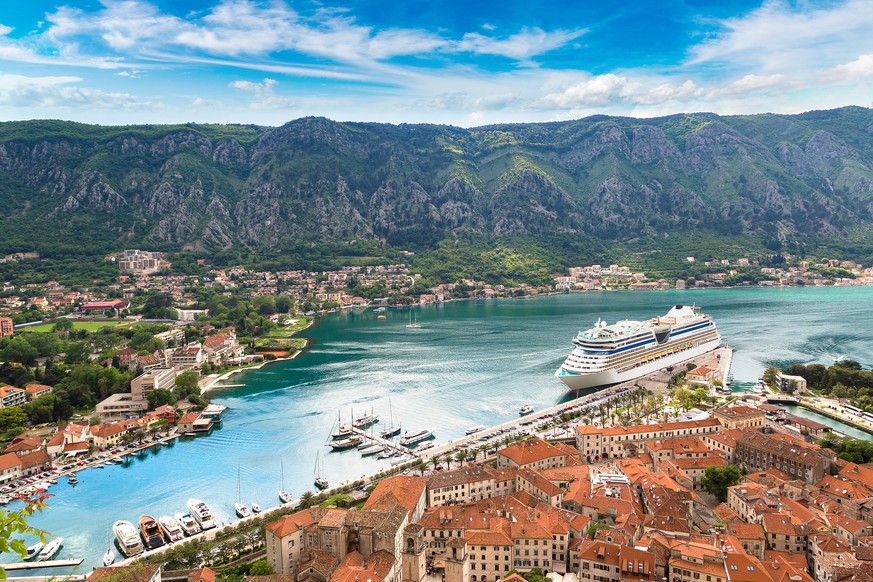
[{"x": 462, "y": 62}]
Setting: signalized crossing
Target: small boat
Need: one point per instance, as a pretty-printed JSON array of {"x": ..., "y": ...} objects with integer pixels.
[
  {"x": 371, "y": 450},
  {"x": 256, "y": 508},
  {"x": 526, "y": 409},
  {"x": 33, "y": 551},
  {"x": 387, "y": 453},
  {"x": 151, "y": 532},
  {"x": 239, "y": 507},
  {"x": 5, "y": 499},
  {"x": 171, "y": 528},
  {"x": 346, "y": 443},
  {"x": 343, "y": 432},
  {"x": 201, "y": 512},
  {"x": 50, "y": 549},
  {"x": 109, "y": 557},
  {"x": 410, "y": 439},
  {"x": 379, "y": 310},
  {"x": 412, "y": 323},
  {"x": 72, "y": 480},
  {"x": 188, "y": 524},
  {"x": 474, "y": 429},
  {"x": 365, "y": 420},
  {"x": 425, "y": 447},
  {"x": 381, "y": 317},
  {"x": 320, "y": 481},
  {"x": 284, "y": 496}
]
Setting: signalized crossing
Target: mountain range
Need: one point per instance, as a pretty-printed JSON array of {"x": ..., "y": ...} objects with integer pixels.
[{"x": 778, "y": 178}]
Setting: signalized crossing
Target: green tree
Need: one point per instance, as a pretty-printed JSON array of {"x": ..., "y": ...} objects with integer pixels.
[
  {"x": 261, "y": 568},
  {"x": 716, "y": 480},
  {"x": 535, "y": 575},
  {"x": 11, "y": 417},
  {"x": 187, "y": 384},
  {"x": 18, "y": 349},
  {"x": 13, "y": 524},
  {"x": 160, "y": 397}
]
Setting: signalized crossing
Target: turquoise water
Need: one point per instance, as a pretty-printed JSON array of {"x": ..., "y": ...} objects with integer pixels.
[{"x": 471, "y": 362}]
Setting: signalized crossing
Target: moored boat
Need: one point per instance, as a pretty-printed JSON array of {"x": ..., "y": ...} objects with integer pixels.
[
  {"x": 201, "y": 512},
  {"x": 320, "y": 481},
  {"x": 365, "y": 420},
  {"x": 151, "y": 532},
  {"x": 475, "y": 429},
  {"x": 109, "y": 557},
  {"x": 284, "y": 496},
  {"x": 345, "y": 443},
  {"x": 171, "y": 528},
  {"x": 256, "y": 507},
  {"x": 410, "y": 439},
  {"x": 33, "y": 551},
  {"x": 129, "y": 541},
  {"x": 371, "y": 449},
  {"x": 241, "y": 509},
  {"x": 50, "y": 549},
  {"x": 188, "y": 524}
]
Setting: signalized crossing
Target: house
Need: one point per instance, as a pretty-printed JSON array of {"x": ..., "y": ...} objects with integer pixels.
[
  {"x": 700, "y": 376},
  {"x": 186, "y": 423},
  {"x": 24, "y": 444},
  {"x": 531, "y": 454},
  {"x": 739, "y": 416},
  {"x": 10, "y": 467},
  {"x": 106, "y": 436},
  {"x": 139, "y": 572},
  {"x": 12, "y": 396},
  {"x": 35, "y": 462},
  {"x": 34, "y": 391}
]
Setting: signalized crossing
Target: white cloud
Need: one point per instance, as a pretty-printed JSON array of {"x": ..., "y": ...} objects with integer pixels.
[
  {"x": 264, "y": 94},
  {"x": 59, "y": 92},
  {"x": 752, "y": 83},
  {"x": 523, "y": 45},
  {"x": 595, "y": 91},
  {"x": 787, "y": 36},
  {"x": 859, "y": 68}
]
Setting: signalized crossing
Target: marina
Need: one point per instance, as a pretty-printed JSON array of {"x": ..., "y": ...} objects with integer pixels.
[{"x": 448, "y": 372}]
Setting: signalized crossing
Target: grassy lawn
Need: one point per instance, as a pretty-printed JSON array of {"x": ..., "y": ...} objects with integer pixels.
[
  {"x": 336, "y": 499},
  {"x": 86, "y": 325}
]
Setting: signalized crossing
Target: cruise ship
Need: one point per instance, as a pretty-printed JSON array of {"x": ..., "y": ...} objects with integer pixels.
[{"x": 609, "y": 354}]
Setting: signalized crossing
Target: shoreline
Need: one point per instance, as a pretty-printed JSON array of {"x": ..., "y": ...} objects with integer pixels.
[{"x": 211, "y": 382}]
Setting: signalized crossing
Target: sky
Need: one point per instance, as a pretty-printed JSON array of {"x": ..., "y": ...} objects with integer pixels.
[{"x": 459, "y": 62}]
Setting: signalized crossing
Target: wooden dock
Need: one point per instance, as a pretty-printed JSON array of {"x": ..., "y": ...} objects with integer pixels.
[{"x": 45, "y": 564}]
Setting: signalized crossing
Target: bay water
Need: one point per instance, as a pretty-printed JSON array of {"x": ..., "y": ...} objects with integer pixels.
[{"x": 470, "y": 363}]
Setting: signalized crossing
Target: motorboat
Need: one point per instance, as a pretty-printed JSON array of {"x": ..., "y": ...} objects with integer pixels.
[
  {"x": 201, "y": 512},
  {"x": 151, "y": 532},
  {"x": 256, "y": 508},
  {"x": 50, "y": 549},
  {"x": 410, "y": 439},
  {"x": 474, "y": 429},
  {"x": 188, "y": 524},
  {"x": 525, "y": 409},
  {"x": 33, "y": 551},
  {"x": 171, "y": 528},
  {"x": 129, "y": 541}
]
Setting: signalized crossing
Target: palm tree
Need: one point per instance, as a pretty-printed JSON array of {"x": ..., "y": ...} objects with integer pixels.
[
  {"x": 435, "y": 460},
  {"x": 459, "y": 457},
  {"x": 306, "y": 499}
]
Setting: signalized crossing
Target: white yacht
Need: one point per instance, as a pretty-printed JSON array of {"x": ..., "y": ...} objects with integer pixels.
[
  {"x": 50, "y": 549},
  {"x": 371, "y": 449},
  {"x": 171, "y": 528},
  {"x": 609, "y": 354},
  {"x": 475, "y": 429},
  {"x": 256, "y": 507},
  {"x": 188, "y": 524},
  {"x": 410, "y": 439},
  {"x": 128, "y": 538},
  {"x": 201, "y": 512},
  {"x": 525, "y": 409}
]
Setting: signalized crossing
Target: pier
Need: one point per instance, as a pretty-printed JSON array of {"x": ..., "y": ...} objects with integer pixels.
[{"x": 44, "y": 564}]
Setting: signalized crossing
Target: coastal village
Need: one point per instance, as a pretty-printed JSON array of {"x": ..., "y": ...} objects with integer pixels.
[{"x": 597, "y": 501}]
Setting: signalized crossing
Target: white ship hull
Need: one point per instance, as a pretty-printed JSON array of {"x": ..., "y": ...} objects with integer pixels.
[{"x": 612, "y": 376}]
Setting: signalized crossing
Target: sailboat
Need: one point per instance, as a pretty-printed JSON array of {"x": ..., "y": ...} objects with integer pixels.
[
  {"x": 284, "y": 496},
  {"x": 390, "y": 430},
  {"x": 320, "y": 481},
  {"x": 241, "y": 509},
  {"x": 412, "y": 323},
  {"x": 109, "y": 556}
]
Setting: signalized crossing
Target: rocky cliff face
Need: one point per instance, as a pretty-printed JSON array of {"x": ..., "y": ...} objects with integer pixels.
[{"x": 315, "y": 179}]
